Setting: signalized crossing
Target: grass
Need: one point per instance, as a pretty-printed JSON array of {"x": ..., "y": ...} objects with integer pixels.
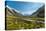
[{"x": 14, "y": 23}]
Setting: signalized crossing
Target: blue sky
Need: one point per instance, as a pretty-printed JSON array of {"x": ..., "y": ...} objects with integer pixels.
[{"x": 27, "y": 8}]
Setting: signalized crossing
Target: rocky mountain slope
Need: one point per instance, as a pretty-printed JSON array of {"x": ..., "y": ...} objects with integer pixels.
[
  {"x": 12, "y": 12},
  {"x": 39, "y": 12}
]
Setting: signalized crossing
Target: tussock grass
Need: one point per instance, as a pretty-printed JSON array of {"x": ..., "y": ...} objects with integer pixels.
[{"x": 14, "y": 23}]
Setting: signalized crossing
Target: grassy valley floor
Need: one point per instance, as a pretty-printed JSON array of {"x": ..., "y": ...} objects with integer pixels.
[{"x": 16, "y": 23}]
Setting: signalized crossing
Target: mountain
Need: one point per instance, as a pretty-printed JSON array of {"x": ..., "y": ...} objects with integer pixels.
[
  {"x": 12, "y": 12},
  {"x": 39, "y": 12}
]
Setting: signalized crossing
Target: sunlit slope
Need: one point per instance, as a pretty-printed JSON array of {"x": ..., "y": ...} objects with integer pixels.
[{"x": 12, "y": 12}]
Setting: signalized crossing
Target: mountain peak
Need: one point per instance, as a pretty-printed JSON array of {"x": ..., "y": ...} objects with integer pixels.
[{"x": 12, "y": 9}]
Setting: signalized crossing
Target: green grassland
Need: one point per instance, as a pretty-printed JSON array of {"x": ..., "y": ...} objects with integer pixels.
[{"x": 16, "y": 23}]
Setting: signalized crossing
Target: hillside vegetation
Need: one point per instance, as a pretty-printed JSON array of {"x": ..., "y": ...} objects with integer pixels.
[{"x": 15, "y": 21}]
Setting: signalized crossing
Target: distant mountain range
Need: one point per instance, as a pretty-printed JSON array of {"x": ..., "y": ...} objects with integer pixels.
[{"x": 14, "y": 12}]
